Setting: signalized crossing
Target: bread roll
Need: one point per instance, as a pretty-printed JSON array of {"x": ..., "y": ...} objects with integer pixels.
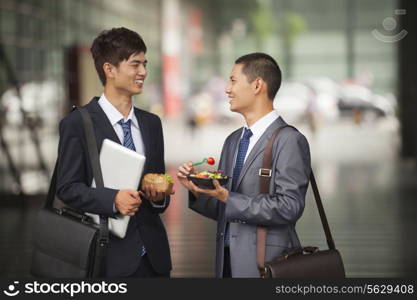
[{"x": 160, "y": 182}]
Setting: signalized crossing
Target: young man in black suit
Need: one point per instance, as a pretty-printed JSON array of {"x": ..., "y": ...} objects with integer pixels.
[{"x": 119, "y": 58}]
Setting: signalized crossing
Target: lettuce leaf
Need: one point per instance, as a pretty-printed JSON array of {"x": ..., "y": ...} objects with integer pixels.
[{"x": 168, "y": 178}]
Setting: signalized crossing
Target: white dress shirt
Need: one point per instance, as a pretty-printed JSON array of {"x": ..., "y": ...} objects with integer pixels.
[
  {"x": 115, "y": 116},
  {"x": 258, "y": 129}
]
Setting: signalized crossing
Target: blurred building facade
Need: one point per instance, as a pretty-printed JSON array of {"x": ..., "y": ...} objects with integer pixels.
[
  {"x": 46, "y": 45},
  {"x": 192, "y": 45}
]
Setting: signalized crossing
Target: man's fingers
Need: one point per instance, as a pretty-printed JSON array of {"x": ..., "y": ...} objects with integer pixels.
[
  {"x": 133, "y": 210},
  {"x": 195, "y": 188},
  {"x": 144, "y": 192},
  {"x": 153, "y": 191},
  {"x": 183, "y": 170},
  {"x": 192, "y": 185},
  {"x": 132, "y": 192},
  {"x": 200, "y": 190},
  {"x": 181, "y": 175},
  {"x": 187, "y": 167},
  {"x": 147, "y": 192}
]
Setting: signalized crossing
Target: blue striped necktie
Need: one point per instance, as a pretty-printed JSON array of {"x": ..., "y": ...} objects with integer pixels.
[
  {"x": 128, "y": 143},
  {"x": 127, "y": 134},
  {"x": 240, "y": 159}
]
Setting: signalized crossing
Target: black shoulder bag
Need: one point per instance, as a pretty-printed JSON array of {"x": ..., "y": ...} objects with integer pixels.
[{"x": 67, "y": 243}]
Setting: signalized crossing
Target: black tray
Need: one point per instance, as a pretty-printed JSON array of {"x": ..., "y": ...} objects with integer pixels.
[{"x": 207, "y": 183}]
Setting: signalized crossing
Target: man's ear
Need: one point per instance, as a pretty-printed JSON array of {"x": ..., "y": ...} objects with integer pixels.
[
  {"x": 109, "y": 70},
  {"x": 257, "y": 85}
]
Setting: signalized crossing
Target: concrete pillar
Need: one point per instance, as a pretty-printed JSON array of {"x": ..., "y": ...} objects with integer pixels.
[{"x": 407, "y": 75}]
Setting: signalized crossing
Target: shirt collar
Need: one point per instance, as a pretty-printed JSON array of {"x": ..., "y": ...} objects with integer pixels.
[
  {"x": 259, "y": 127},
  {"x": 113, "y": 114}
]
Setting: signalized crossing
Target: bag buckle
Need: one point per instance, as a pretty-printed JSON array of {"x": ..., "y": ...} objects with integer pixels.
[
  {"x": 265, "y": 172},
  {"x": 103, "y": 241},
  {"x": 263, "y": 271}
]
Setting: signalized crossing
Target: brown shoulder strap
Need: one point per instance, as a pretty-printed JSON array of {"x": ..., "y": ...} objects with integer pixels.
[{"x": 265, "y": 177}]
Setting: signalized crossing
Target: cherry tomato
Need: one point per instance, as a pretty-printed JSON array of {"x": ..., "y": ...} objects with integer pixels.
[{"x": 210, "y": 161}]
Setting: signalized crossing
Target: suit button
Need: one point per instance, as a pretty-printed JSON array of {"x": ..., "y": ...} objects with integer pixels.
[{"x": 221, "y": 234}]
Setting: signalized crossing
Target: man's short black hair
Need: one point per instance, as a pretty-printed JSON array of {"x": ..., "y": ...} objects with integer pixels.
[
  {"x": 114, "y": 46},
  {"x": 264, "y": 66}
]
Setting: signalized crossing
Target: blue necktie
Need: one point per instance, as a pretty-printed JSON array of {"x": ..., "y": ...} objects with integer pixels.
[
  {"x": 127, "y": 134},
  {"x": 128, "y": 143},
  {"x": 240, "y": 159}
]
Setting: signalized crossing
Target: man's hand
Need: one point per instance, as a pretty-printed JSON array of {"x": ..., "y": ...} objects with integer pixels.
[
  {"x": 127, "y": 202},
  {"x": 220, "y": 193},
  {"x": 183, "y": 171},
  {"x": 151, "y": 193}
]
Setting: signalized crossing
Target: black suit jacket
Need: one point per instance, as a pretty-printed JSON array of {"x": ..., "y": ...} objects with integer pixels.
[{"x": 75, "y": 177}]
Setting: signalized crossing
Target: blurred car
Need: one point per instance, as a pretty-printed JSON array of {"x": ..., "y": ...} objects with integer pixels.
[
  {"x": 358, "y": 98},
  {"x": 292, "y": 101},
  {"x": 327, "y": 93},
  {"x": 329, "y": 100},
  {"x": 297, "y": 99}
]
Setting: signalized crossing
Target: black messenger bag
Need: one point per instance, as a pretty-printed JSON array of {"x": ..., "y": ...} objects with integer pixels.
[{"x": 67, "y": 243}]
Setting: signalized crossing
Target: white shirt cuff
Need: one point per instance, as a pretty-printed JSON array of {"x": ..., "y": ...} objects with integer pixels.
[{"x": 159, "y": 205}]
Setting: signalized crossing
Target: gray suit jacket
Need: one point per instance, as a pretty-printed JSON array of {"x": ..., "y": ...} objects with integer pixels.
[{"x": 246, "y": 208}]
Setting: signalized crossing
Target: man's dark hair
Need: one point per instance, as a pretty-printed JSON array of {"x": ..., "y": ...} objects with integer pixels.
[
  {"x": 114, "y": 46},
  {"x": 264, "y": 66}
]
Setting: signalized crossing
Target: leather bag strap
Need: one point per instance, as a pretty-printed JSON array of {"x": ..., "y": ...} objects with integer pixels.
[
  {"x": 52, "y": 188},
  {"x": 265, "y": 174},
  {"x": 95, "y": 164},
  {"x": 264, "y": 177},
  {"x": 92, "y": 147},
  {"x": 98, "y": 178}
]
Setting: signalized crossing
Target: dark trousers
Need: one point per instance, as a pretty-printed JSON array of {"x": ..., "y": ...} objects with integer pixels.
[
  {"x": 146, "y": 270},
  {"x": 227, "y": 270}
]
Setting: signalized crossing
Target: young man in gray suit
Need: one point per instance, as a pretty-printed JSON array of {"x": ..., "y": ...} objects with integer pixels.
[{"x": 238, "y": 207}]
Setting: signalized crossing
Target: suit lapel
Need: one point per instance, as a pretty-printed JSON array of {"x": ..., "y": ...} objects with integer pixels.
[
  {"x": 260, "y": 147},
  {"x": 144, "y": 131},
  {"x": 101, "y": 122},
  {"x": 231, "y": 154}
]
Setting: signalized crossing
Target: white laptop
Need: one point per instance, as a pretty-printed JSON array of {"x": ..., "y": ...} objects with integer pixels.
[{"x": 122, "y": 169}]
